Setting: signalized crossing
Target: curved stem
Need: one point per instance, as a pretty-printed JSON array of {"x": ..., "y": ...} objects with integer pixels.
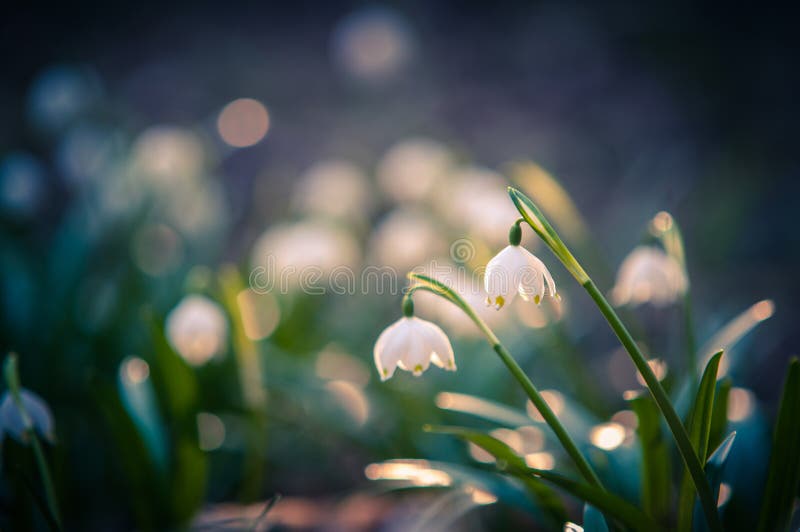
[
  {"x": 685, "y": 447},
  {"x": 543, "y": 228},
  {"x": 432, "y": 285}
]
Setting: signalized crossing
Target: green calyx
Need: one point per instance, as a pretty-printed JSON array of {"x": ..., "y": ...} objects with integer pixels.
[
  {"x": 408, "y": 306},
  {"x": 515, "y": 234}
]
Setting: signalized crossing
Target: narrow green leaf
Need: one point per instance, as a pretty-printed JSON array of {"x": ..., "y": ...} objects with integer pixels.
[
  {"x": 784, "y": 465},
  {"x": 510, "y": 463},
  {"x": 719, "y": 416},
  {"x": 714, "y": 468},
  {"x": 593, "y": 520},
  {"x": 699, "y": 427},
  {"x": 656, "y": 459},
  {"x": 482, "y": 408}
]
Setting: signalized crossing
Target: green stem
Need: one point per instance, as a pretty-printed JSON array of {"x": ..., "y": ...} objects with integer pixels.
[
  {"x": 47, "y": 480},
  {"x": 691, "y": 343},
  {"x": 685, "y": 447},
  {"x": 432, "y": 285},
  {"x": 547, "y": 233},
  {"x": 12, "y": 380}
]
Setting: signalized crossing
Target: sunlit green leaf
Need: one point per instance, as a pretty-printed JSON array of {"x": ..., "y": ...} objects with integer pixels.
[
  {"x": 699, "y": 428},
  {"x": 593, "y": 520},
  {"x": 719, "y": 417},
  {"x": 656, "y": 476},
  {"x": 784, "y": 465},
  {"x": 510, "y": 463}
]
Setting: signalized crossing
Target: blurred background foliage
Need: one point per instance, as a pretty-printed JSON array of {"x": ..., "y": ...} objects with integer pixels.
[{"x": 154, "y": 159}]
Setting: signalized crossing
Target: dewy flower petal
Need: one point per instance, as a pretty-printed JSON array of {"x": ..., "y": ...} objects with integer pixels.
[
  {"x": 411, "y": 344},
  {"x": 649, "y": 275},
  {"x": 517, "y": 270}
]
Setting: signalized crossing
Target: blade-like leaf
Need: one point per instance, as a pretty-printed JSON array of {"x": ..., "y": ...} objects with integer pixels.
[
  {"x": 510, "y": 463},
  {"x": 593, "y": 520},
  {"x": 699, "y": 428},
  {"x": 719, "y": 417},
  {"x": 714, "y": 467},
  {"x": 483, "y": 408},
  {"x": 656, "y": 460},
  {"x": 784, "y": 465}
]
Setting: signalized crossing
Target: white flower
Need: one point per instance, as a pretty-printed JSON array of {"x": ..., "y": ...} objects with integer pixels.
[
  {"x": 515, "y": 269},
  {"x": 412, "y": 344},
  {"x": 649, "y": 275},
  {"x": 11, "y": 421},
  {"x": 197, "y": 329},
  {"x": 411, "y": 169},
  {"x": 335, "y": 188}
]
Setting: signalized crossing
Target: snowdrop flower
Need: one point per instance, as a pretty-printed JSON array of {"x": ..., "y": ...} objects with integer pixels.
[
  {"x": 197, "y": 329},
  {"x": 411, "y": 344},
  {"x": 649, "y": 275},
  {"x": 517, "y": 270},
  {"x": 12, "y": 422}
]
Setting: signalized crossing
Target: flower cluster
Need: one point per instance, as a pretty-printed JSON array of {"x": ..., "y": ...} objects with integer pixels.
[{"x": 412, "y": 344}]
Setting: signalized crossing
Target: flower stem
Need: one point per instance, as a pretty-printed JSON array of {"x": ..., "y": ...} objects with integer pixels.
[
  {"x": 685, "y": 447},
  {"x": 47, "y": 480},
  {"x": 432, "y": 285},
  {"x": 12, "y": 380},
  {"x": 543, "y": 228}
]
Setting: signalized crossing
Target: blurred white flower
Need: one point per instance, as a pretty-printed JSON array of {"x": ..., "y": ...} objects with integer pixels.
[
  {"x": 372, "y": 44},
  {"x": 22, "y": 184},
  {"x": 649, "y": 275},
  {"x": 86, "y": 153},
  {"x": 405, "y": 239},
  {"x": 289, "y": 251},
  {"x": 168, "y": 155},
  {"x": 334, "y": 188},
  {"x": 411, "y": 168},
  {"x": 477, "y": 198},
  {"x": 60, "y": 94},
  {"x": 11, "y": 420},
  {"x": 515, "y": 269},
  {"x": 197, "y": 329},
  {"x": 412, "y": 344}
]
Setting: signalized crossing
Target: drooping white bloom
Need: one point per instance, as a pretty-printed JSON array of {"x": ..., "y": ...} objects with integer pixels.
[
  {"x": 11, "y": 421},
  {"x": 649, "y": 275},
  {"x": 517, "y": 270},
  {"x": 411, "y": 344}
]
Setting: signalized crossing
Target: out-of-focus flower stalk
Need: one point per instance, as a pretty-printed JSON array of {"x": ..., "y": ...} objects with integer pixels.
[
  {"x": 12, "y": 381},
  {"x": 664, "y": 227},
  {"x": 432, "y": 285},
  {"x": 534, "y": 217}
]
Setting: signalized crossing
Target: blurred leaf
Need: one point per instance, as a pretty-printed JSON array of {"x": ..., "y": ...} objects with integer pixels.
[
  {"x": 593, "y": 520},
  {"x": 784, "y": 466},
  {"x": 714, "y": 468},
  {"x": 483, "y": 408},
  {"x": 188, "y": 480},
  {"x": 699, "y": 428},
  {"x": 509, "y": 462},
  {"x": 656, "y": 475},
  {"x": 719, "y": 417},
  {"x": 173, "y": 379},
  {"x": 136, "y": 463}
]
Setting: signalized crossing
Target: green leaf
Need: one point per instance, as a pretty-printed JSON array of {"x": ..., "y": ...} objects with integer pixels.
[
  {"x": 784, "y": 465},
  {"x": 482, "y": 408},
  {"x": 656, "y": 459},
  {"x": 714, "y": 467},
  {"x": 719, "y": 417},
  {"x": 593, "y": 520},
  {"x": 699, "y": 428},
  {"x": 510, "y": 463}
]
